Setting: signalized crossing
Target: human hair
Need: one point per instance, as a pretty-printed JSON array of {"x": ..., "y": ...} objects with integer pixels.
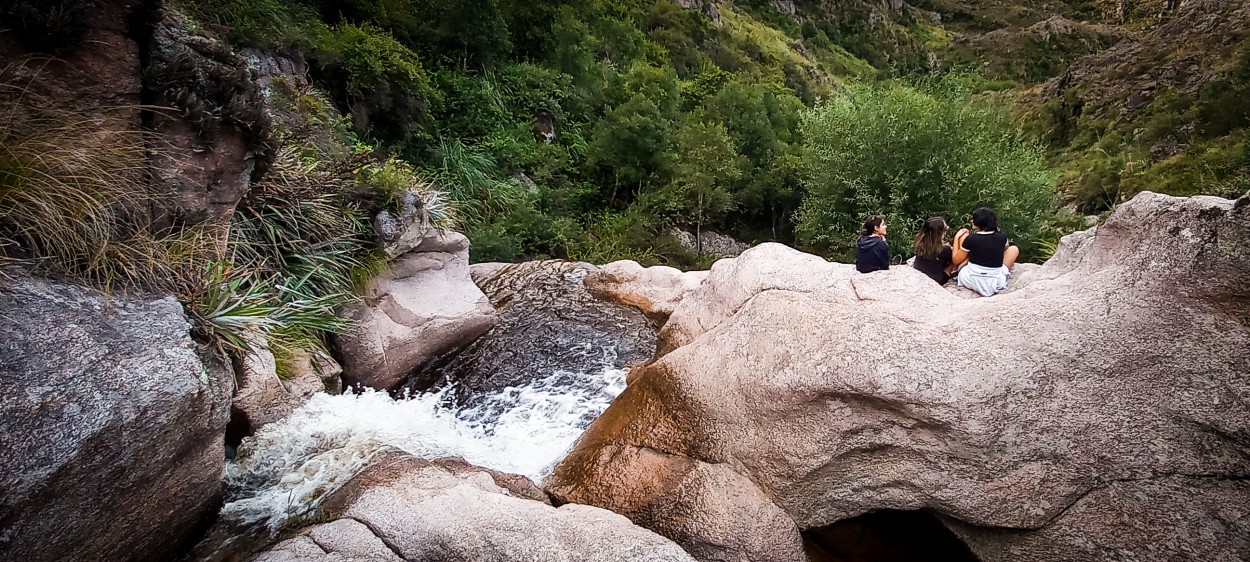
[
  {"x": 929, "y": 241},
  {"x": 871, "y": 224},
  {"x": 984, "y": 219}
]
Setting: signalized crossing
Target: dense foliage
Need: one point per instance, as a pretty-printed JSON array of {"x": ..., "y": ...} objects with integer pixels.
[
  {"x": 588, "y": 130},
  {"x": 911, "y": 155}
]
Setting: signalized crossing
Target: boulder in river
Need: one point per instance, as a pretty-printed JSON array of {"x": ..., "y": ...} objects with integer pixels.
[
  {"x": 423, "y": 305},
  {"x": 655, "y": 290},
  {"x": 111, "y": 426},
  {"x": 550, "y": 328},
  {"x": 1098, "y": 411},
  {"x": 263, "y": 397},
  {"x": 405, "y": 508}
]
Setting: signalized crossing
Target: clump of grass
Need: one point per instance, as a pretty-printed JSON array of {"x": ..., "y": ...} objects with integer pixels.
[{"x": 73, "y": 200}]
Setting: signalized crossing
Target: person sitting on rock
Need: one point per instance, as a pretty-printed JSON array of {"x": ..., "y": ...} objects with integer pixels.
[
  {"x": 934, "y": 256},
  {"x": 872, "y": 252},
  {"x": 988, "y": 253}
]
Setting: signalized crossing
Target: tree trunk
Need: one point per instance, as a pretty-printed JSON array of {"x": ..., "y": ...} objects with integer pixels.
[{"x": 698, "y": 229}]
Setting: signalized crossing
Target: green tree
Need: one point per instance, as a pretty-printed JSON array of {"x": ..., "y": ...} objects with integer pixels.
[
  {"x": 763, "y": 121},
  {"x": 909, "y": 155},
  {"x": 699, "y": 192},
  {"x": 630, "y": 144}
]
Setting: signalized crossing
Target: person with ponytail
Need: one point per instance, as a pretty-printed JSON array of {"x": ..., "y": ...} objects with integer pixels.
[
  {"x": 933, "y": 255},
  {"x": 872, "y": 253}
]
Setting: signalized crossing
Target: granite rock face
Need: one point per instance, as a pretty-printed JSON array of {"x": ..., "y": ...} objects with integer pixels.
[
  {"x": 112, "y": 428},
  {"x": 405, "y": 508},
  {"x": 1097, "y": 411},
  {"x": 655, "y": 290},
  {"x": 262, "y": 397},
  {"x": 423, "y": 305}
]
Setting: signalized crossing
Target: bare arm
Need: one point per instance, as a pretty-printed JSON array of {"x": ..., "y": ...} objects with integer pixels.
[{"x": 958, "y": 254}]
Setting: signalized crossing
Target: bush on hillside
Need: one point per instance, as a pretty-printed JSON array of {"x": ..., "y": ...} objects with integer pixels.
[
  {"x": 378, "y": 79},
  {"x": 909, "y": 155}
]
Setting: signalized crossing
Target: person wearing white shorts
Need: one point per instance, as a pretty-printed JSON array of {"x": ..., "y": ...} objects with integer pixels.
[{"x": 988, "y": 253}]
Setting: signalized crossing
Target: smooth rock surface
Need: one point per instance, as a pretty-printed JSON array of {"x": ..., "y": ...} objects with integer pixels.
[
  {"x": 1099, "y": 411},
  {"x": 111, "y": 427},
  {"x": 423, "y": 305},
  {"x": 405, "y": 508},
  {"x": 655, "y": 290}
]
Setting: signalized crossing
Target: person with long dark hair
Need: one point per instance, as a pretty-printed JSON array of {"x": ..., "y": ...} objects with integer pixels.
[
  {"x": 989, "y": 254},
  {"x": 934, "y": 257},
  {"x": 872, "y": 252}
]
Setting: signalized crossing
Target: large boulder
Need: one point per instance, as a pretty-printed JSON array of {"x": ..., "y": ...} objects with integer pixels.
[
  {"x": 405, "y": 508},
  {"x": 422, "y": 305},
  {"x": 111, "y": 425},
  {"x": 655, "y": 290},
  {"x": 1099, "y": 411}
]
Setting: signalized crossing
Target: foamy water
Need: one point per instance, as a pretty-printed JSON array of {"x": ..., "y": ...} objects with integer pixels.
[{"x": 286, "y": 469}]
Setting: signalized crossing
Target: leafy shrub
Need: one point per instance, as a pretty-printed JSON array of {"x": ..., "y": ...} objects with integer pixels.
[
  {"x": 896, "y": 151},
  {"x": 379, "y": 79}
]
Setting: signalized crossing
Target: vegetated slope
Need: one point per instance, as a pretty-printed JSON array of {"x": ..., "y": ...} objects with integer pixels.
[
  {"x": 1164, "y": 110},
  {"x": 587, "y": 129}
]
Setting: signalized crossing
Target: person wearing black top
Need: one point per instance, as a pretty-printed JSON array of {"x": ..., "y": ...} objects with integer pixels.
[
  {"x": 872, "y": 252},
  {"x": 934, "y": 256},
  {"x": 988, "y": 253}
]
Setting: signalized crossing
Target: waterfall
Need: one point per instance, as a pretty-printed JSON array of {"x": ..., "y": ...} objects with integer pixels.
[
  {"x": 286, "y": 469},
  {"x": 514, "y": 400}
]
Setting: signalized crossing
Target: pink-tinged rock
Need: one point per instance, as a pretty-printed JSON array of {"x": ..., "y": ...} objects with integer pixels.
[
  {"x": 422, "y": 305},
  {"x": 1098, "y": 411},
  {"x": 655, "y": 290},
  {"x": 405, "y": 508}
]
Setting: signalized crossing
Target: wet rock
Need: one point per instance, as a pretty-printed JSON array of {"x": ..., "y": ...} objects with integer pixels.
[
  {"x": 262, "y": 397},
  {"x": 548, "y": 324},
  {"x": 656, "y": 290},
  {"x": 405, "y": 508},
  {"x": 1095, "y": 412},
  {"x": 423, "y": 305},
  {"x": 111, "y": 425}
]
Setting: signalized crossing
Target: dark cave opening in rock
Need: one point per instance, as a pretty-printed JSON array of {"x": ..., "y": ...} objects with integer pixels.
[{"x": 887, "y": 536}]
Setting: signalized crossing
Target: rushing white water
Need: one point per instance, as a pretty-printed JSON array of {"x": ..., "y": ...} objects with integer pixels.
[{"x": 290, "y": 466}]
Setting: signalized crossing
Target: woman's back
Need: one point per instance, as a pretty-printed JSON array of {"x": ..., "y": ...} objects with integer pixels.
[
  {"x": 986, "y": 248},
  {"x": 935, "y": 267}
]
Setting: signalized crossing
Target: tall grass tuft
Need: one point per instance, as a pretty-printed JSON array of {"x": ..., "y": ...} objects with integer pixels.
[
  {"x": 74, "y": 200},
  {"x": 473, "y": 183}
]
